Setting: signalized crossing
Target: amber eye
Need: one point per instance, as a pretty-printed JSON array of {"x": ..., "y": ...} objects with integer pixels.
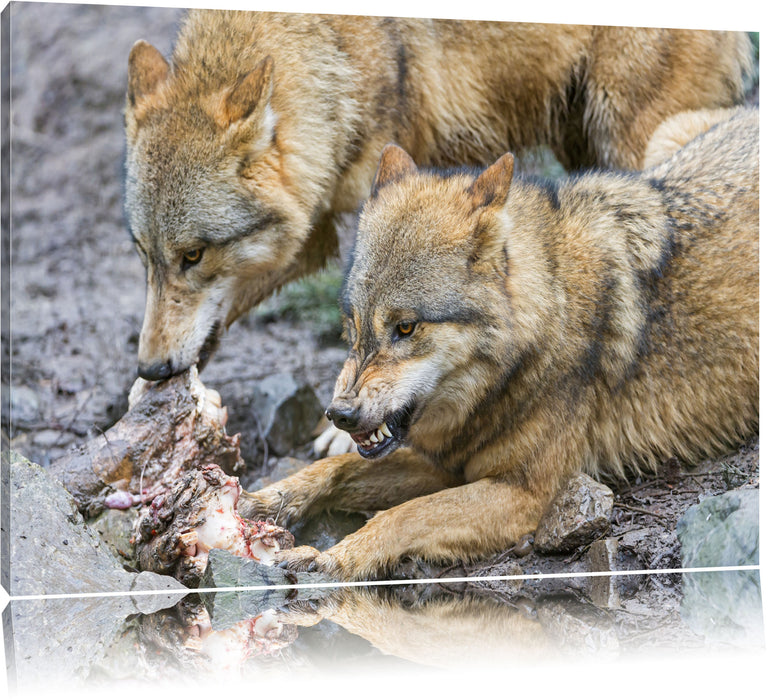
[
  {"x": 192, "y": 257},
  {"x": 405, "y": 328}
]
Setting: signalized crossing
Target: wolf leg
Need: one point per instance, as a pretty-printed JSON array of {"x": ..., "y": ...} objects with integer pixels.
[
  {"x": 346, "y": 482},
  {"x": 460, "y": 523}
]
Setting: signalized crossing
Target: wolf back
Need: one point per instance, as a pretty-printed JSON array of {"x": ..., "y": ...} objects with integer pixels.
[{"x": 243, "y": 148}]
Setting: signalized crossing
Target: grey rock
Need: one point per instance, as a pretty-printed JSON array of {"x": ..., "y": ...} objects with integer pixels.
[
  {"x": 286, "y": 412},
  {"x": 52, "y": 550},
  {"x": 578, "y": 629},
  {"x": 252, "y": 588},
  {"x": 579, "y": 514},
  {"x": 602, "y": 556},
  {"x": 724, "y": 606},
  {"x": 285, "y": 466},
  {"x": 326, "y": 529},
  {"x": 722, "y": 530},
  {"x": 114, "y": 527},
  {"x": 25, "y": 406},
  {"x": 63, "y": 639}
]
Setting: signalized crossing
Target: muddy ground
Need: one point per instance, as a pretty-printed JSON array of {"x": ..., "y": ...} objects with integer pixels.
[{"x": 77, "y": 285}]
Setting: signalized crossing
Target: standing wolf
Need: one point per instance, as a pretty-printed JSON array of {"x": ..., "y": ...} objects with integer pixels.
[
  {"x": 241, "y": 149},
  {"x": 507, "y": 334}
]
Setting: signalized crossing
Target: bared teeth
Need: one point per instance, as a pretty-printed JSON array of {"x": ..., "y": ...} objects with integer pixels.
[{"x": 377, "y": 436}]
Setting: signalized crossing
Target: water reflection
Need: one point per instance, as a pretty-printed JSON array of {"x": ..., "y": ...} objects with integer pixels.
[{"x": 91, "y": 641}]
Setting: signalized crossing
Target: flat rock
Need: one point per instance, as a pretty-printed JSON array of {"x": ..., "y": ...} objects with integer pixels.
[
  {"x": 287, "y": 412},
  {"x": 52, "y": 550},
  {"x": 251, "y": 588},
  {"x": 579, "y": 514}
]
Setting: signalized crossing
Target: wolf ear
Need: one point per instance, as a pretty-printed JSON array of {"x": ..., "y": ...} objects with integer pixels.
[
  {"x": 395, "y": 164},
  {"x": 147, "y": 70},
  {"x": 253, "y": 90},
  {"x": 492, "y": 186}
]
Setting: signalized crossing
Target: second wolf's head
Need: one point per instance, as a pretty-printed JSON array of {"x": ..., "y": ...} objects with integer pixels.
[
  {"x": 209, "y": 205},
  {"x": 429, "y": 304}
]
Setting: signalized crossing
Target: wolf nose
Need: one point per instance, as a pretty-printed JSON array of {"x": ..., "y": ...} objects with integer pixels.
[
  {"x": 344, "y": 416},
  {"x": 155, "y": 370}
]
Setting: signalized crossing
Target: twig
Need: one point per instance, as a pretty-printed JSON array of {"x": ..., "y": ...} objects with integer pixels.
[{"x": 643, "y": 511}]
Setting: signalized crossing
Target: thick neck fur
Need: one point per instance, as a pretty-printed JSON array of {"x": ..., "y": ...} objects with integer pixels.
[{"x": 573, "y": 330}]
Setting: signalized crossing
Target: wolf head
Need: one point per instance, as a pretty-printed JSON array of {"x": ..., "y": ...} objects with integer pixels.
[
  {"x": 424, "y": 303},
  {"x": 215, "y": 227}
]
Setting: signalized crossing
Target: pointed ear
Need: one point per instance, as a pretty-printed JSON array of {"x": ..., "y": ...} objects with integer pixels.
[
  {"x": 253, "y": 90},
  {"x": 492, "y": 186},
  {"x": 395, "y": 164},
  {"x": 147, "y": 70}
]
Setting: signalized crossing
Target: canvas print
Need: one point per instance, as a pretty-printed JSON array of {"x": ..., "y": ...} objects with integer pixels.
[{"x": 464, "y": 310}]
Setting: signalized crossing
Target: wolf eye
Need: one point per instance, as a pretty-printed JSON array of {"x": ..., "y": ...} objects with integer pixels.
[
  {"x": 192, "y": 257},
  {"x": 405, "y": 328}
]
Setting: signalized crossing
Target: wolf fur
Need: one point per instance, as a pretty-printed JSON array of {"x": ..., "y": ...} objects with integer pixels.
[
  {"x": 262, "y": 127},
  {"x": 508, "y": 334}
]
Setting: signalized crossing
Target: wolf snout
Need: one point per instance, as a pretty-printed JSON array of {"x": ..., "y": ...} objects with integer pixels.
[
  {"x": 345, "y": 416},
  {"x": 155, "y": 371}
]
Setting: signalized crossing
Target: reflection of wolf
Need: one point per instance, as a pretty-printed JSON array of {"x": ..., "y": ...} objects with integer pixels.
[
  {"x": 512, "y": 333},
  {"x": 263, "y": 126}
]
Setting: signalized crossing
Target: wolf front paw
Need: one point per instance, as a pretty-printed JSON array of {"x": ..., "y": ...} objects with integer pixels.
[
  {"x": 307, "y": 559},
  {"x": 267, "y": 504}
]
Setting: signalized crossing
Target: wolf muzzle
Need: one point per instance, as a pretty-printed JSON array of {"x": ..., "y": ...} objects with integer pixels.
[{"x": 155, "y": 371}]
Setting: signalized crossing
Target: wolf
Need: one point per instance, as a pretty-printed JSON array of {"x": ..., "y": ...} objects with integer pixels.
[
  {"x": 263, "y": 127},
  {"x": 507, "y": 332}
]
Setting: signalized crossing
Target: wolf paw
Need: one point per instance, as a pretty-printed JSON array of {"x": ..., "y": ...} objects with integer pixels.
[
  {"x": 332, "y": 442},
  {"x": 263, "y": 505},
  {"x": 306, "y": 559}
]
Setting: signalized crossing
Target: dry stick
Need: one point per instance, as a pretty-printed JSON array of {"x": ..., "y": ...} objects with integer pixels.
[
  {"x": 644, "y": 511},
  {"x": 638, "y": 487},
  {"x": 79, "y": 410}
]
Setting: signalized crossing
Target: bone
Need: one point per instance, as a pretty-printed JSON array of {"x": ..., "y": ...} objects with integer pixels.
[
  {"x": 171, "y": 427},
  {"x": 175, "y": 532}
]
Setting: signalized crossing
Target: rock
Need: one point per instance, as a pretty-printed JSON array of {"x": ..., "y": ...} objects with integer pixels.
[
  {"x": 286, "y": 411},
  {"x": 326, "y": 529},
  {"x": 602, "y": 556},
  {"x": 52, "y": 550},
  {"x": 114, "y": 527},
  {"x": 722, "y": 530},
  {"x": 25, "y": 406},
  {"x": 251, "y": 588},
  {"x": 579, "y": 514},
  {"x": 62, "y": 640},
  {"x": 723, "y": 606},
  {"x": 285, "y": 466}
]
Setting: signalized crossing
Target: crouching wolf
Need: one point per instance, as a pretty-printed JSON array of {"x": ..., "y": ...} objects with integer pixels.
[
  {"x": 508, "y": 333},
  {"x": 263, "y": 126}
]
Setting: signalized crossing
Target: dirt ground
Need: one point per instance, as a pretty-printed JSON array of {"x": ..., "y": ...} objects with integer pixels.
[{"x": 77, "y": 285}]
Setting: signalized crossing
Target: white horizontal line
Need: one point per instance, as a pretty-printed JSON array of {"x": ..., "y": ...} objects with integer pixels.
[{"x": 390, "y": 582}]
